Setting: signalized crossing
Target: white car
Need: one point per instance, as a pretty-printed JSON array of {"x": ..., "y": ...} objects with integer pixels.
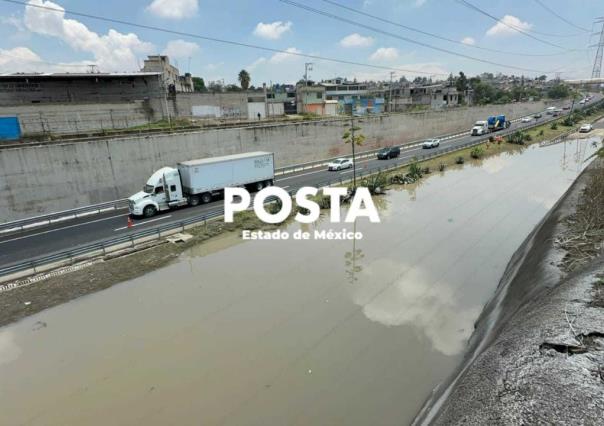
[
  {"x": 431, "y": 143},
  {"x": 586, "y": 128},
  {"x": 340, "y": 164},
  {"x": 526, "y": 119}
]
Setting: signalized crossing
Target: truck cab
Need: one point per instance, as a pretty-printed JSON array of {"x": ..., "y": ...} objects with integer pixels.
[
  {"x": 162, "y": 191},
  {"x": 479, "y": 128}
]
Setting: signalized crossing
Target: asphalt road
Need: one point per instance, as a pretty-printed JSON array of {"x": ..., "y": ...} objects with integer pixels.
[{"x": 19, "y": 246}]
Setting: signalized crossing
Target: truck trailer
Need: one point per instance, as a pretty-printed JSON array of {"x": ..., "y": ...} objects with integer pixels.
[
  {"x": 497, "y": 122},
  {"x": 199, "y": 181}
]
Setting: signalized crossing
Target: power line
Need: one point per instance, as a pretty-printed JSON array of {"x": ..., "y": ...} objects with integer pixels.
[
  {"x": 562, "y": 18},
  {"x": 439, "y": 37},
  {"x": 496, "y": 19},
  {"x": 429, "y": 46},
  {"x": 218, "y": 40}
]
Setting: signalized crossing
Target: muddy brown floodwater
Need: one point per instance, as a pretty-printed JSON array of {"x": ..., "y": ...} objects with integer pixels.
[{"x": 291, "y": 332}]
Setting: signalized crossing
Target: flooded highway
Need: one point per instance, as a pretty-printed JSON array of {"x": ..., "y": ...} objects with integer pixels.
[{"x": 292, "y": 332}]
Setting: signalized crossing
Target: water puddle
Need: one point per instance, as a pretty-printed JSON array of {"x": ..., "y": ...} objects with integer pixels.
[{"x": 291, "y": 332}]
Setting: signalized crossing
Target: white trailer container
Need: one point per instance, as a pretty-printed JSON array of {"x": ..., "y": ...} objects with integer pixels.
[
  {"x": 212, "y": 174},
  {"x": 198, "y": 181}
]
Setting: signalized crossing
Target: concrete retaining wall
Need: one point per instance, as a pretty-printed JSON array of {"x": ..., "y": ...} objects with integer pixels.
[
  {"x": 76, "y": 118},
  {"x": 43, "y": 179}
]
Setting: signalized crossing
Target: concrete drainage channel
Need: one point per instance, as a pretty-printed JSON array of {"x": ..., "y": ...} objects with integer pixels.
[
  {"x": 103, "y": 247},
  {"x": 23, "y": 224}
]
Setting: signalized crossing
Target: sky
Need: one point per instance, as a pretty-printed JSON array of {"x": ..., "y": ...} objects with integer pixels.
[{"x": 530, "y": 37}]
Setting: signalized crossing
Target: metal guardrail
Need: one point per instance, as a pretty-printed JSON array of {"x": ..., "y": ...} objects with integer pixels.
[
  {"x": 22, "y": 224},
  {"x": 104, "y": 245}
]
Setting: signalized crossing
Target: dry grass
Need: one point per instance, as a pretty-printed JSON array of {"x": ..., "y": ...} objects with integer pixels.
[{"x": 584, "y": 236}]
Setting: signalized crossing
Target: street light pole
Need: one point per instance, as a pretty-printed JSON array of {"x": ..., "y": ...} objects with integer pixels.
[
  {"x": 390, "y": 95},
  {"x": 353, "y": 142}
]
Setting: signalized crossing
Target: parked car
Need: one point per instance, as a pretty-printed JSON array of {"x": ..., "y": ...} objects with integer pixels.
[
  {"x": 387, "y": 153},
  {"x": 340, "y": 164},
  {"x": 526, "y": 119},
  {"x": 431, "y": 143},
  {"x": 537, "y": 116},
  {"x": 586, "y": 128},
  {"x": 565, "y": 107}
]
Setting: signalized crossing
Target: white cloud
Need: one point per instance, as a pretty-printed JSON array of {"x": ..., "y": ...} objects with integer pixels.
[
  {"x": 415, "y": 299},
  {"x": 180, "y": 49},
  {"x": 13, "y": 21},
  {"x": 280, "y": 57},
  {"x": 23, "y": 59},
  {"x": 385, "y": 54},
  {"x": 256, "y": 64},
  {"x": 19, "y": 59},
  {"x": 356, "y": 40},
  {"x": 272, "y": 31},
  {"x": 469, "y": 41},
  {"x": 419, "y": 3},
  {"x": 113, "y": 51},
  {"x": 503, "y": 27},
  {"x": 174, "y": 9}
]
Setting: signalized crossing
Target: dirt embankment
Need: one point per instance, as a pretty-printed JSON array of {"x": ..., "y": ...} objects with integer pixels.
[
  {"x": 47, "y": 290},
  {"x": 537, "y": 355}
]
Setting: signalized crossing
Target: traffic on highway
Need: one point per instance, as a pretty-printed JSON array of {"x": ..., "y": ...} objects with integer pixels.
[{"x": 39, "y": 241}]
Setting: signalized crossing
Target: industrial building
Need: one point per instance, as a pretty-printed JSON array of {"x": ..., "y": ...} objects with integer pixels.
[{"x": 27, "y": 89}]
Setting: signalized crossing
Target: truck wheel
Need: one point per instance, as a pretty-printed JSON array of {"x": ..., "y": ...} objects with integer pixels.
[
  {"x": 193, "y": 200},
  {"x": 268, "y": 183},
  {"x": 258, "y": 186},
  {"x": 206, "y": 197},
  {"x": 149, "y": 211}
]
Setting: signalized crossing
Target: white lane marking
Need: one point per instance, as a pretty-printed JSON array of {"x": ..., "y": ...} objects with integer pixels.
[
  {"x": 301, "y": 174},
  {"x": 350, "y": 171},
  {"x": 59, "y": 229},
  {"x": 285, "y": 187},
  {"x": 144, "y": 223}
]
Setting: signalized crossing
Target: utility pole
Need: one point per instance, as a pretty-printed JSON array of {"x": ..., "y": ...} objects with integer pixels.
[
  {"x": 307, "y": 67},
  {"x": 352, "y": 141},
  {"x": 597, "y": 69},
  {"x": 390, "y": 95}
]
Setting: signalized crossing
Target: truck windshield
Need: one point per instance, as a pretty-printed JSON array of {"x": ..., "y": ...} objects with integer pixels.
[{"x": 148, "y": 189}]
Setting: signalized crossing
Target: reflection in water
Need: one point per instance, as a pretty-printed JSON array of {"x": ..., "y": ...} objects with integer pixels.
[
  {"x": 352, "y": 258},
  {"x": 413, "y": 300},
  {"x": 9, "y": 350},
  {"x": 273, "y": 332}
]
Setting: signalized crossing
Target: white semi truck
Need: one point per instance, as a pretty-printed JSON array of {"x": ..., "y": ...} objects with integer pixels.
[
  {"x": 198, "y": 181},
  {"x": 480, "y": 128}
]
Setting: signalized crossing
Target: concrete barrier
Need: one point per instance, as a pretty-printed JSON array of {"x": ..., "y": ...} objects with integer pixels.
[{"x": 47, "y": 178}]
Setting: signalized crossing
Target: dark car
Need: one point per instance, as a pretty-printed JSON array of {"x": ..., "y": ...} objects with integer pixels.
[
  {"x": 537, "y": 116},
  {"x": 386, "y": 153}
]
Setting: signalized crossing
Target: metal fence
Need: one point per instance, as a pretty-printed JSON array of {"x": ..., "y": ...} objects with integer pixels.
[{"x": 22, "y": 224}]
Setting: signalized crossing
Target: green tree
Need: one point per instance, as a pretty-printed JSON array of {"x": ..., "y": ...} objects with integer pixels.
[
  {"x": 558, "y": 91},
  {"x": 199, "y": 85},
  {"x": 353, "y": 136},
  {"x": 244, "y": 79},
  {"x": 462, "y": 82},
  {"x": 484, "y": 93}
]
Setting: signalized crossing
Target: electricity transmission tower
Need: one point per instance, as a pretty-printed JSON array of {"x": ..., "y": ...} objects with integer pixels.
[{"x": 598, "y": 62}]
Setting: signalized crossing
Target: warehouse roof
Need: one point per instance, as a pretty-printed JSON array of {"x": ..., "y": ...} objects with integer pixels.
[{"x": 77, "y": 75}]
